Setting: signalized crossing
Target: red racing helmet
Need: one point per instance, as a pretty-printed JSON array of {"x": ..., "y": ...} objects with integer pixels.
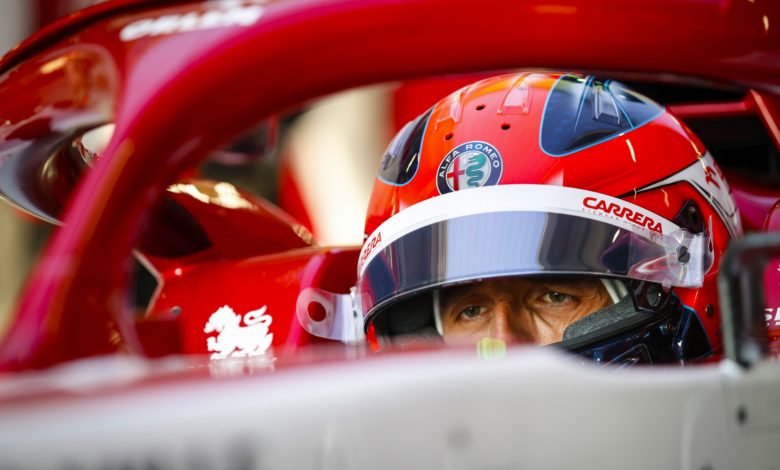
[{"x": 537, "y": 174}]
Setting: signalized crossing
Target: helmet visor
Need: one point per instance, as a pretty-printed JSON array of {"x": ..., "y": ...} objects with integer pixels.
[{"x": 556, "y": 240}]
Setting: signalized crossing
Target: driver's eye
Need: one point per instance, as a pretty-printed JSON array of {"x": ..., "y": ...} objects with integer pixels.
[
  {"x": 554, "y": 297},
  {"x": 471, "y": 312}
]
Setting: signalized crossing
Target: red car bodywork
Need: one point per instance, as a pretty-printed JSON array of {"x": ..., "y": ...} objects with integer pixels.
[{"x": 176, "y": 95}]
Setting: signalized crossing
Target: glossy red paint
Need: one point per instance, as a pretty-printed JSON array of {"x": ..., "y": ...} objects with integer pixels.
[
  {"x": 771, "y": 281},
  {"x": 755, "y": 201},
  {"x": 772, "y": 222},
  {"x": 201, "y": 221},
  {"x": 708, "y": 110},
  {"x": 175, "y": 98},
  {"x": 192, "y": 294},
  {"x": 768, "y": 108},
  {"x": 55, "y": 27}
]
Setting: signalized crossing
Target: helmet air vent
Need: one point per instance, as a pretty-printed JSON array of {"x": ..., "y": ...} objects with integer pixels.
[{"x": 517, "y": 99}]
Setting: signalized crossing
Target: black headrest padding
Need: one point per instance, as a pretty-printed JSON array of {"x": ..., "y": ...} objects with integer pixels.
[
  {"x": 603, "y": 318},
  {"x": 410, "y": 316}
]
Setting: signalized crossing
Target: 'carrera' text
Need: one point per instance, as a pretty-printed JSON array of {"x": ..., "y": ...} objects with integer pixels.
[
  {"x": 622, "y": 212},
  {"x": 369, "y": 247}
]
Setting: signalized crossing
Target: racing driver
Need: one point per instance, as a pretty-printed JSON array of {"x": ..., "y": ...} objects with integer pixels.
[{"x": 552, "y": 209}]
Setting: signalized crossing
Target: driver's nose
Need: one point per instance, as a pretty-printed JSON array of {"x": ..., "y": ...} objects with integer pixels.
[{"x": 505, "y": 325}]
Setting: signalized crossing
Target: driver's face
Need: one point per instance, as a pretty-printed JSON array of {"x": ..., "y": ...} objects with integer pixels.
[{"x": 518, "y": 309}]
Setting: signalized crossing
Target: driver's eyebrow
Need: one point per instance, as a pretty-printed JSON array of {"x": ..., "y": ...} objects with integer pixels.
[{"x": 450, "y": 295}]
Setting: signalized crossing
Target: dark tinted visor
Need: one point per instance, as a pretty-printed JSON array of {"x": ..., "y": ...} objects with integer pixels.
[
  {"x": 583, "y": 111},
  {"x": 401, "y": 159}
]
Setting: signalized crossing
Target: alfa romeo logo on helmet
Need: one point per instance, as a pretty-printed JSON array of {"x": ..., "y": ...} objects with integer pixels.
[{"x": 469, "y": 165}]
